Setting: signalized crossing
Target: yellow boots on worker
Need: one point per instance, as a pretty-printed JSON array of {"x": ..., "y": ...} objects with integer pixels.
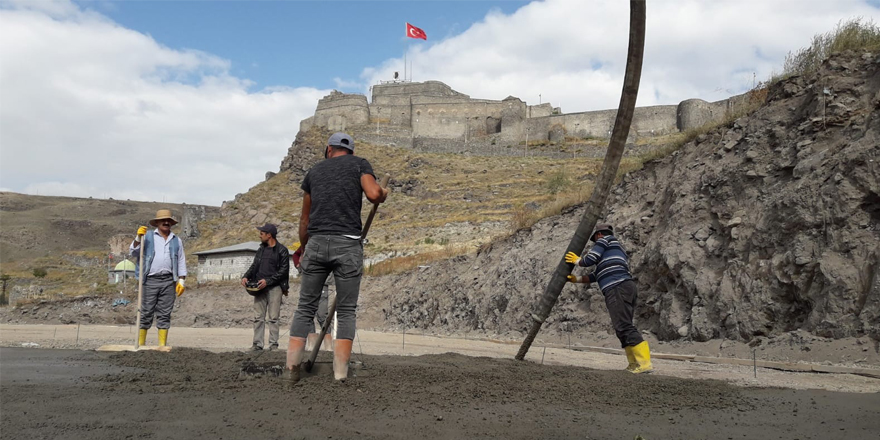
[
  {"x": 142, "y": 336},
  {"x": 642, "y": 355},
  {"x": 163, "y": 337},
  {"x": 631, "y": 358},
  {"x": 295, "y": 349},
  {"x": 341, "y": 358}
]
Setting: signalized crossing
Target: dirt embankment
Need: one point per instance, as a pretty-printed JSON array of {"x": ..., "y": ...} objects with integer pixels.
[{"x": 763, "y": 227}]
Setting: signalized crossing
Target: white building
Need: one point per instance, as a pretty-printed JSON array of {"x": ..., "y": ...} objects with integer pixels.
[{"x": 226, "y": 263}]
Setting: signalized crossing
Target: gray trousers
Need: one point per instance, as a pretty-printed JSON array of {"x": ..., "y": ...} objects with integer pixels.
[
  {"x": 158, "y": 299},
  {"x": 267, "y": 309},
  {"x": 342, "y": 256},
  {"x": 323, "y": 304},
  {"x": 621, "y": 303}
]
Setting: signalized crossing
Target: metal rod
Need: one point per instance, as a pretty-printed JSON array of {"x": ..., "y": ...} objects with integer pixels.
[
  {"x": 755, "y": 363},
  {"x": 77, "y": 335},
  {"x": 542, "y": 355}
]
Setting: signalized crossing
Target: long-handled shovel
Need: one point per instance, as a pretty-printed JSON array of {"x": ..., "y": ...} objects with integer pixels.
[
  {"x": 332, "y": 309},
  {"x": 137, "y": 321}
]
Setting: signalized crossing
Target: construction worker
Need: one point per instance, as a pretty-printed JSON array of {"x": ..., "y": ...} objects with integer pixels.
[
  {"x": 330, "y": 232},
  {"x": 165, "y": 268},
  {"x": 323, "y": 304},
  {"x": 271, "y": 267},
  {"x": 620, "y": 291}
]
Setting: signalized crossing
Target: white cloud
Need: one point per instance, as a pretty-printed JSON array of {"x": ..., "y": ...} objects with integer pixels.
[
  {"x": 94, "y": 109},
  {"x": 573, "y": 53}
]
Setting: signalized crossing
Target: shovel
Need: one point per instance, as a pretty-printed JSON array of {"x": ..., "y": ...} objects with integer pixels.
[{"x": 331, "y": 310}]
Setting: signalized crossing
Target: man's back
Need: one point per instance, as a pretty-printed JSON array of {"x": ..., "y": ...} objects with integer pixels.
[{"x": 334, "y": 187}]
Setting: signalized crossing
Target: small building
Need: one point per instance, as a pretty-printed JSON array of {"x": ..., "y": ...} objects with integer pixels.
[
  {"x": 226, "y": 263},
  {"x": 125, "y": 269}
]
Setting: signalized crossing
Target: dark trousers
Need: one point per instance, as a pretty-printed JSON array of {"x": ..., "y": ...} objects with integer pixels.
[
  {"x": 621, "y": 303},
  {"x": 344, "y": 258},
  {"x": 158, "y": 299}
]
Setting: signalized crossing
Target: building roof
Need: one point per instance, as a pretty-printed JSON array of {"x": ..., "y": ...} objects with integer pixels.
[
  {"x": 247, "y": 246},
  {"x": 124, "y": 265}
]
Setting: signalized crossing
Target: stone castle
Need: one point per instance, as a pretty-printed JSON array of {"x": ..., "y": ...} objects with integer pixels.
[{"x": 432, "y": 116}]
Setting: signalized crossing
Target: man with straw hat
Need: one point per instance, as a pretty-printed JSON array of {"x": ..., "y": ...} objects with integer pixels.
[{"x": 165, "y": 268}]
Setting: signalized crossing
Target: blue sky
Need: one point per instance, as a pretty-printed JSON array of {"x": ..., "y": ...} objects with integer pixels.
[
  {"x": 298, "y": 43},
  {"x": 195, "y": 101}
]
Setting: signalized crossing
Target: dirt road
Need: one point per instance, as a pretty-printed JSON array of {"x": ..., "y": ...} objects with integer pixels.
[{"x": 189, "y": 393}]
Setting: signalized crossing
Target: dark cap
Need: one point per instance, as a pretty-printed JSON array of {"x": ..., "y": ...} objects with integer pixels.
[
  {"x": 604, "y": 228},
  {"x": 341, "y": 140},
  {"x": 268, "y": 228}
]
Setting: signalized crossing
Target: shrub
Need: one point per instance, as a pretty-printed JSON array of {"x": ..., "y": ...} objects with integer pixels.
[
  {"x": 557, "y": 181},
  {"x": 853, "y": 34},
  {"x": 40, "y": 272}
]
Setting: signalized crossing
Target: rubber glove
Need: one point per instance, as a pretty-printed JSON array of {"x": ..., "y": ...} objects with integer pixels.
[
  {"x": 181, "y": 286},
  {"x": 141, "y": 232},
  {"x": 572, "y": 258}
]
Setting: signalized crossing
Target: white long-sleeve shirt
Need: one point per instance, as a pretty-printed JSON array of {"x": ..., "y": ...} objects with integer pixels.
[{"x": 162, "y": 259}]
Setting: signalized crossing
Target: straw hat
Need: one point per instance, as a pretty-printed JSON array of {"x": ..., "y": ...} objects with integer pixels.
[{"x": 163, "y": 214}]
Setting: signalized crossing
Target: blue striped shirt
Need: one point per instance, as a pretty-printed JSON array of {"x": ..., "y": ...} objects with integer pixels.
[{"x": 612, "y": 264}]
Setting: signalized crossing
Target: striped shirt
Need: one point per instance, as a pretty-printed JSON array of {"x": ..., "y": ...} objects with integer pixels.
[{"x": 612, "y": 264}]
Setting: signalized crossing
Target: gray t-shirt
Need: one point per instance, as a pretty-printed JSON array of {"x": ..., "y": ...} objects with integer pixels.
[{"x": 337, "y": 197}]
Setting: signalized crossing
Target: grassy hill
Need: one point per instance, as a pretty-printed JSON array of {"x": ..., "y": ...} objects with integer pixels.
[{"x": 440, "y": 203}]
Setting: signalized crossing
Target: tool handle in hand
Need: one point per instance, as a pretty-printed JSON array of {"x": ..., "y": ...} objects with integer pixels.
[{"x": 383, "y": 184}]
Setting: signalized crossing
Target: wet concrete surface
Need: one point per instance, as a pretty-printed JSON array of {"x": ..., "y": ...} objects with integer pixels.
[{"x": 191, "y": 393}]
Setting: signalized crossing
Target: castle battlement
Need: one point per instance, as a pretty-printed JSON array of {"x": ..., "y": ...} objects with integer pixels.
[{"x": 432, "y": 111}]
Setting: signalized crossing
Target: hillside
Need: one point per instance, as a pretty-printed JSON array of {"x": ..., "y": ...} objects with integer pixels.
[
  {"x": 439, "y": 202},
  {"x": 766, "y": 225},
  {"x": 39, "y": 226}
]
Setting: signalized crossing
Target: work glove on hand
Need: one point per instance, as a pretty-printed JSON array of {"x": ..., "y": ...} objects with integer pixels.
[
  {"x": 140, "y": 233},
  {"x": 572, "y": 258},
  {"x": 180, "y": 286},
  {"x": 571, "y": 278}
]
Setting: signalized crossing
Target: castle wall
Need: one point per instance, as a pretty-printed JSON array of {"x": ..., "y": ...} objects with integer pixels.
[
  {"x": 411, "y": 114},
  {"x": 337, "y": 111},
  {"x": 428, "y": 88},
  {"x": 453, "y": 117}
]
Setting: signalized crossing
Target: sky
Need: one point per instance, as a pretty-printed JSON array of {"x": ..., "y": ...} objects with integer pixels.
[{"x": 193, "y": 102}]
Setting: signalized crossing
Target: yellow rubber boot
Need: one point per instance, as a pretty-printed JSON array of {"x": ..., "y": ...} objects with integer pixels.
[
  {"x": 631, "y": 358},
  {"x": 163, "y": 337},
  {"x": 341, "y": 357},
  {"x": 142, "y": 336},
  {"x": 295, "y": 349},
  {"x": 643, "y": 358}
]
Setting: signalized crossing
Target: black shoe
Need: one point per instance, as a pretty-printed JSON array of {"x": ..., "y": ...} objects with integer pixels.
[
  {"x": 273, "y": 347},
  {"x": 256, "y": 348}
]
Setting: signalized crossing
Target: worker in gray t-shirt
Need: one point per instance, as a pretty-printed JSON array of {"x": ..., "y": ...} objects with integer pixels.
[{"x": 330, "y": 231}]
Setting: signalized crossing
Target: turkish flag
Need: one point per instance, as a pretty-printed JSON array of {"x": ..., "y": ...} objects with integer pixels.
[{"x": 414, "y": 32}]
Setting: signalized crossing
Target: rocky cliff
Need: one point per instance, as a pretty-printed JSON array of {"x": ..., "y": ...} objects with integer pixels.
[{"x": 766, "y": 225}]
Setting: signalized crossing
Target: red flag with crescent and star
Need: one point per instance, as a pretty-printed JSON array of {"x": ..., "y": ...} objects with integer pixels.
[{"x": 414, "y": 32}]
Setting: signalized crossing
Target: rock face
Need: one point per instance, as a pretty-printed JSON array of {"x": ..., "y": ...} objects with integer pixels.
[{"x": 767, "y": 225}]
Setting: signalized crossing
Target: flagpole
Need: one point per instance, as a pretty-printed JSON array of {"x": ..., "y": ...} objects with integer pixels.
[{"x": 406, "y": 31}]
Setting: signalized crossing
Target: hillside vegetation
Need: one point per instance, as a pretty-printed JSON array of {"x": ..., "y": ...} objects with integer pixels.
[{"x": 441, "y": 204}]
